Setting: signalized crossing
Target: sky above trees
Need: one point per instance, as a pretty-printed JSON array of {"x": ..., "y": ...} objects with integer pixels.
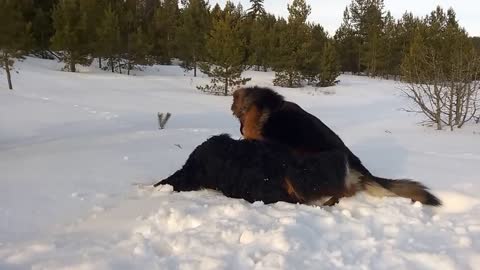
[{"x": 329, "y": 12}]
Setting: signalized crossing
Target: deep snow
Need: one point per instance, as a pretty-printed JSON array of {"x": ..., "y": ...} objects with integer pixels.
[{"x": 72, "y": 147}]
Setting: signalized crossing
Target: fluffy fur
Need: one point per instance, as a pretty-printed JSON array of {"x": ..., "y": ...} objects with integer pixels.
[
  {"x": 265, "y": 115},
  {"x": 261, "y": 171}
]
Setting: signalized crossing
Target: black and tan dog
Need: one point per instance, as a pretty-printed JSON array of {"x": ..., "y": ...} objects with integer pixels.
[
  {"x": 261, "y": 171},
  {"x": 265, "y": 115}
]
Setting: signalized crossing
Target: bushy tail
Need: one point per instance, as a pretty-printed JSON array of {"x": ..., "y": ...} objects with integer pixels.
[{"x": 405, "y": 188}]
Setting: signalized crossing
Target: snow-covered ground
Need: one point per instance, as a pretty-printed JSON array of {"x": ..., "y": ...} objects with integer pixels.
[{"x": 72, "y": 147}]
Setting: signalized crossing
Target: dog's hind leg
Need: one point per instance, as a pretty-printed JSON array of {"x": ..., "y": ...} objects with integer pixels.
[
  {"x": 176, "y": 180},
  {"x": 332, "y": 201}
]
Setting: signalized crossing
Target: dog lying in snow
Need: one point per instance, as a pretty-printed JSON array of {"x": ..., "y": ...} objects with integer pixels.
[{"x": 261, "y": 171}]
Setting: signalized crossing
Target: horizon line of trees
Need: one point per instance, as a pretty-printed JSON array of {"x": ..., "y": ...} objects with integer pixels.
[
  {"x": 123, "y": 34},
  {"x": 223, "y": 42}
]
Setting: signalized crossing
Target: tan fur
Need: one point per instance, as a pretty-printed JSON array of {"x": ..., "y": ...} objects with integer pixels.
[
  {"x": 252, "y": 130},
  {"x": 249, "y": 115},
  {"x": 292, "y": 192},
  {"x": 353, "y": 182},
  {"x": 376, "y": 190},
  {"x": 240, "y": 103}
]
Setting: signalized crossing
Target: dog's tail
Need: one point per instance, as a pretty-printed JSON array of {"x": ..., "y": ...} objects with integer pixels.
[{"x": 382, "y": 187}]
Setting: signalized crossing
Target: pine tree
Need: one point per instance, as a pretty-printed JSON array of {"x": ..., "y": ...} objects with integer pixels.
[
  {"x": 192, "y": 33},
  {"x": 261, "y": 42},
  {"x": 292, "y": 51},
  {"x": 14, "y": 36},
  {"x": 225, "y": 53},
  {"x": 366, "y": 20},
  {"x": 256, "y": 10},
  {"x": 316, "y": 45},
  {"x": 165, "y": 22},
  {"x": 136, "y": 44},
  {"x": 392, "y": 48},
  {"x": 216, "y": 13},
  {"x": 94, "y": 11},
  {"x": 476, "y": 43},
  {"x": 372, "y": 35},
  {"x": 109, "y": 41},
  {"x": 348, "y": 43},
  {"x": 71, "y": 34},
  {"x": 42, "y": 30},
  {"x": 39, "y": 14},
  {"x": 330, "y": 68}
]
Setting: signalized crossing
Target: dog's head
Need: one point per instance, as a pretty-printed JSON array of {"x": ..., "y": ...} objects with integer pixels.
[
  {"x": 240, "y": 102},
  {"x": 263, "y": 98}
]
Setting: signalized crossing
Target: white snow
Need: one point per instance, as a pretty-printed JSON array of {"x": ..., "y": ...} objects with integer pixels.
[{"x": 77, "y": 150}]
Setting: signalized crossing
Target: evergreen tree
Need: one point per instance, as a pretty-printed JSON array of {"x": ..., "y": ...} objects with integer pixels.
[
  {"x": 108, "y": 44},
  {"x": 476, "y": 43},
  {"x": 292, "y": 50},
  {"x": 39, "y": 14},
  {"x": 14, "y": 36},
  {"x": 392, "y": 48},
  {"x": 94, "y": 11},
  {"x": 330, "y": 67},
  {"x": 225, "y": 53},
  {"x": 256, "y": 10},
  {"x": 216, "y": 13},
  {"x": 372, "y": 48},
  {"x": 348, "y": 43},
  {"x": 42, "y": 28},
  {"x": 316, "y": 45},
  {"x": 261, "y": 43},
  {"x": 365, "y": 18},
  {"x": 71, "y": 34},
  {"x": 192, "y": 33},
  {"x": 165, "y": 22},
  {"x": 136, "y": 44}
]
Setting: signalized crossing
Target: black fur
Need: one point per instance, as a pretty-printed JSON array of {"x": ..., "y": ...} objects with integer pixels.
[
  {"x": 288, "y": 124},
  {"x": 256, "y": 171}
]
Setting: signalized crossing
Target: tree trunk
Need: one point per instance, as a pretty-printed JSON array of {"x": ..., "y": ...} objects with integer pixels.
[
  {"x": 226, "y": 87},
  {"x": 194, "y": 66},
  {"x": 226, "y": 83},
  {"x": 7, "y": 70},
  {"x": 100, "y": 62},
  {"x": 112, "y": 66},
  {"x": 72, "y": 65}
]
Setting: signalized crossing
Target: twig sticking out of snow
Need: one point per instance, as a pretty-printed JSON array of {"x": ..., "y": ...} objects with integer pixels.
[{"x": 162, "y": 121}]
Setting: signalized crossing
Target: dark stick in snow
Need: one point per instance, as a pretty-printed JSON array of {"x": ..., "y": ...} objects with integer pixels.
[{"x": 162, "y": 121}]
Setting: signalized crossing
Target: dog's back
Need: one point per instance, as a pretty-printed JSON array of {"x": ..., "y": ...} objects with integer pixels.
[{"x": 247, "y": 169}]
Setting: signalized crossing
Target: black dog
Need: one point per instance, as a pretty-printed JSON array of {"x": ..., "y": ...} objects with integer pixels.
[
  {"x": 265, "y": 115},
  {"x": 260, "y": 171}
]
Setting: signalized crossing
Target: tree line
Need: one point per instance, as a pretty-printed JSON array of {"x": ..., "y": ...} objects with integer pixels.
[
  {"x": 223, "y": 42},
  {"x": 124, "y": 34}
]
